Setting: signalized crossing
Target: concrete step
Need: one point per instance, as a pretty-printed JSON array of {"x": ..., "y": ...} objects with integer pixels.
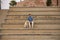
[
  {"x": 30, "y": 37},
  {"x": 33, "y": 13},
  {"x": 34, "y": 9},
  {"x": 1, "y": 28},
  {"x": 35, "y": 21},
  {"x": 3, "y": 14},
  {"x": 37, "y": 26},
  {"x": 29, "y": 31},
  {"x": 52, "y": 17}
]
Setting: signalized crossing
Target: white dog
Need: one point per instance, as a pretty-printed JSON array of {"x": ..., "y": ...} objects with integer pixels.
[{"x": 28, "y": 24}]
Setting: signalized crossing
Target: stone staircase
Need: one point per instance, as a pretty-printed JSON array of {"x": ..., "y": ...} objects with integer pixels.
[{"x": 46, "y": 24}]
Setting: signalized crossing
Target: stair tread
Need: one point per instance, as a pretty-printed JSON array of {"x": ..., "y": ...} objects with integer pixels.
[
  {"x": 35, "y": 11},
  {"x": 36, "y": 23},
  {"x": 34, "y": 19},
  {"x": 26, "y": 29},
  {"x": 35, "y": 7},
  {"x": 33, "y": 15},
  {"x": 32, "y": 34}
]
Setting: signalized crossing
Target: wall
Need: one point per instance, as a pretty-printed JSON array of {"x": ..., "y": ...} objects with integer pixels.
[{"x": 5, "y": 3}]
